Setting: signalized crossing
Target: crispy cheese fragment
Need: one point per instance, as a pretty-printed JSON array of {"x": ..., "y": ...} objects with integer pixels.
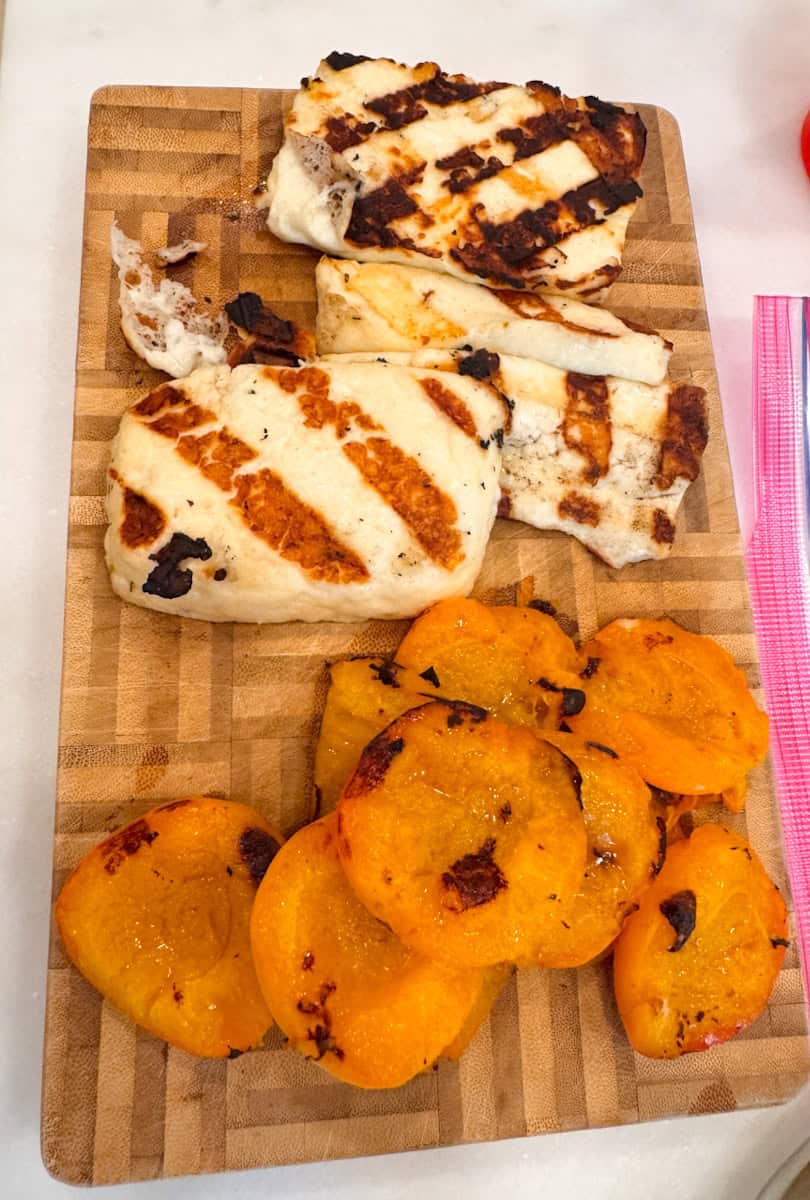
[
  {"x": 456, "y": 830},
  {"x": 157, "y": 918},
  {"x": 673, "y": 704},
  {"x": 625, "y": 851},
  {"x": 696, "y": 963},
  {"x": 342, "y": 987}
]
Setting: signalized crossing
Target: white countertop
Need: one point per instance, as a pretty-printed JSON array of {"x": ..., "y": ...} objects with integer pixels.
[{"x": 734, "y": 73}]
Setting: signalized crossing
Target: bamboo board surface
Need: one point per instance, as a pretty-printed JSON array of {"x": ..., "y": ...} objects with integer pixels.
[{"x": 154, "y": 707}]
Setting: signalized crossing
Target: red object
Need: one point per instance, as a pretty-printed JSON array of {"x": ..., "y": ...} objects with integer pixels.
[{"x": 805, "y": 143}]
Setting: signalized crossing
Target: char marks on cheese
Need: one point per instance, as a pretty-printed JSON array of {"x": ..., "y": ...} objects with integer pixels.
[
  {"x": 295, "y": 530},
  {"x": 428, "y": 512},
  {"x": 685, "y": 436},
  {"x": 143, "y": 520},
  {"x": 324, "y": 492},
  {"x": 579, "y": 508},
  {"x": 584, "y": 453},
  {"x": 521, "y": 187},
  {"x": 450, "y": 404},
  {"x": 364, "y": 306},
  {"x": 586, "y": 424}
]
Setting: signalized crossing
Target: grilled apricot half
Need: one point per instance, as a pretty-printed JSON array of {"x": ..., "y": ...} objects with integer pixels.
[
  {"x": 696, "y": 963},
  {"x": 673, "y": 704},
  {"x": 157, "y": 918},
  {"x": 339, "y": 983},
  {"x": 364, "y": 696},
  {"x": 460, "y": 832},
  {"x": 626, "y": 847},
  {"x": 514, "y": 661}
]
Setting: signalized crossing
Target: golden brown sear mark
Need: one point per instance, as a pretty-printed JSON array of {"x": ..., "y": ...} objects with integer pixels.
[
  {"x": 172, "y": 412},
  {"x": 685, "y": 436},
  {"x": 162, "y": 397},
  {"x": 579, "y": 508},
  {"x": 218, "y": 455},
  {"x": 294, "y": 529},
  {"x": 143, "y": 521},
  {"x": 125, "y": 843},
  {"x": 402, "y": 483},
  {"x": 586, "y": 424},
  {"x": 450, "y": 404},
  {"x": 663, "y": 529},
  {"x": 312, "y": 384},
  {"x": 535, "y": 308}
]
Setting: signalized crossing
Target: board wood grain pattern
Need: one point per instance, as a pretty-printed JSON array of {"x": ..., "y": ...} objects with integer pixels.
[{"x": 154, "y": 707}]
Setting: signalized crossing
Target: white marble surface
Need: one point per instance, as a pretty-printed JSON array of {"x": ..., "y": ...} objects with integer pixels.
[{"x": 734, "y": 72}]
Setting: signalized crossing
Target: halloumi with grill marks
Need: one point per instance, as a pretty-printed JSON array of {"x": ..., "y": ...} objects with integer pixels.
[
  {"x": 518, "y": 187},
  {"x": 606, "y": 460},
  {"x": 372, "y": 306},
  {"x": 328, "y": 492}
]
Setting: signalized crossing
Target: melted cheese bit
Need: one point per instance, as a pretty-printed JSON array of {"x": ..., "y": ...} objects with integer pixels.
[{"x": 163, "y": 324}]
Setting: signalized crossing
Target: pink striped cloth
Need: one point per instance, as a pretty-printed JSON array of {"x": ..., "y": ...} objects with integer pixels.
[{"x": 779, "y": 570}]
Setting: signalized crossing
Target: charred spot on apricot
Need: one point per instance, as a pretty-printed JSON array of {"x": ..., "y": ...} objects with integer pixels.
[
  {"x": 602, "y": 749},
  {"x": 386, "y": 672},
  {"x": 373, "y": 766},
  {"x": 167, "y": 579},
  {"x": 680, "y": 910},
  {"x": 662, "y": 846},
  {"x": 590, "y": 668},
  {"x": 127, "y": 842},
  {"x": 543, "y": 606},
  {"x": 505, "y": 812},
  {"x": 575, "y": 775},
  {"x": 430, "y": 676},
  {"x": 257, "y": 849},
  {"x": 234, "y": 1053},
  {"x": 573, "y": 699},
  {"x": 174, "y": 804},
  {"x": 776, "y": 942},
  {"x": 308, "y": 961},
  {"x": 475, "y": 878}
]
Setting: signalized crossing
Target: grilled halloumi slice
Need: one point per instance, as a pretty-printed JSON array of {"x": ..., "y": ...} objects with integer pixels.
[
  {"x": 373, "y": 306},
  {"x": 606, "y": 460},
  {"x": 323, "y": 492},
  {"x": 518, "y": 187}
]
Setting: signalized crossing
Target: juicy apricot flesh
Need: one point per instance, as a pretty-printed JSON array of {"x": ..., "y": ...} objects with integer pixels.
[
  {"x": 157, "y": 919},
  {"x": 365, "y": 695},
  {"x": 514, "y": 661},
  {"x": 673, "y": 704},
  {"x": 696, "y": 963},
  {"x": 625, "y": 850},
  {"x": 456, "y": 830},
  {"x": 341, "y": 986}
]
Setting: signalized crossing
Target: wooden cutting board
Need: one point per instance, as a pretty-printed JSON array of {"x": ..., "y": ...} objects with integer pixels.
[{"x": 154, "y": 707}]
